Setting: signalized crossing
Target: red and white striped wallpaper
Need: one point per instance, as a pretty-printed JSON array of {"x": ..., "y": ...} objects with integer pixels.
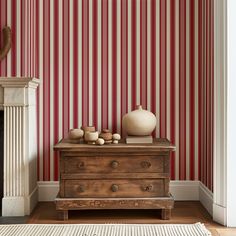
[{"x": 97, "y": 59}]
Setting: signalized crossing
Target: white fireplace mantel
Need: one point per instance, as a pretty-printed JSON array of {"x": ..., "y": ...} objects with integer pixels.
[{"x": 18, "y": 100}]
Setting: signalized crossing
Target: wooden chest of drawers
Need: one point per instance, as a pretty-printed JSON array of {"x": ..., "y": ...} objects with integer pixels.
[{"x": 115, "y": 176}]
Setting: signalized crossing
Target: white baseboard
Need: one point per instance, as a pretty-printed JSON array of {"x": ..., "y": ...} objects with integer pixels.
[
  {"x": 181, "y": 190},
  {"x": 31, "y": 201},
  {"x": 185, "y": 190},
  {"x": 48, "y": 190},
  {"x": 206, "y": 197},
  {"x": 219, "y": 214}
]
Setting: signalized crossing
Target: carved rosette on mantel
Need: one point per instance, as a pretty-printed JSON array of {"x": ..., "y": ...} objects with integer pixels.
[{"x": 18, "y": 99}]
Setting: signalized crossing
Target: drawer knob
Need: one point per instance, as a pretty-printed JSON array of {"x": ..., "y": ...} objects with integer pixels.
[
  {"x": 81, "y": 188},
  {"x": 114, "y": 188},
  {"x": 114, "y": 164},
  {"x": 148, "y": 188},
  {"x": 80, "y": 165},
  {"x": 146, "y": 164}
]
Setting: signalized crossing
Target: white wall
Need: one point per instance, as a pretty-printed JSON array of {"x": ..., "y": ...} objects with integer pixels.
[
  {"x": 220, "y": 111},
  {"x": 231, "y": 113}
]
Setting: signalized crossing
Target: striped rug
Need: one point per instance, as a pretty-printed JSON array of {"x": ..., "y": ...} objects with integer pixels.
[{"x": 197, "y": 229}]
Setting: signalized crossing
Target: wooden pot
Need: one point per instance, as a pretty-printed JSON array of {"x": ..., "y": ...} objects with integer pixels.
[
  {"x": 75, "y": 133},
  {"x": 106, "y": 135}
]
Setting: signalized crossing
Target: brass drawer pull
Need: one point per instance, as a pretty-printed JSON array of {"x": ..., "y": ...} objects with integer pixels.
[
  {"x": 81, "y": 165},
  {"x": 81, "y": 188},
  {"x": 114, "y": 188},
  {"x": 146, "y": 164},
  {"x": 114, "y": 164},
  {"x": 148, "y": 188}
]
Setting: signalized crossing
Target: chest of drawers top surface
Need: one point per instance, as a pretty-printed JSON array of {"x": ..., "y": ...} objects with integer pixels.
[{"x": 159, "y": 145}]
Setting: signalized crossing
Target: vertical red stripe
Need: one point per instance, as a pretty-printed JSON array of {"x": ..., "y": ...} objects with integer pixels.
[
  {"x": 25, "y": 43},
  {"x": 126, "y": 74},
  {"x": 133, "y": 53},
  {"x": 212, "y": 89},
  {"x": 30, "y": 39},
  {"x": 95, "y": 61},
  {"x": 192, "y": 91},
  {"x": 114, "y": 66},
  {"x": 172, "y": 84},
  {"x": 27, "y": 66},
  {"x": 206, "y": 64},
  {"x": 153, "y": 57},
  {"x": 46, "y": 89},
  {"x": 28, "y": 62},
  {"x": 66, "y": 69},
  {"x": 105, "y": 64},
  {"x": 182, "y": 89},
  {"x": 14, "y": 38},
  {"x": 37, "y": 75},
  {"x": 200, "y": 97},
  {"x": 209, "y": 95},
  {"x": 37, "y": 40},
  {"x": 124, "y": 57},
  {"x": 33, "y": 38},
  {"x": 210, "y": 157},
  {"x": 75, "y": 63},
  {"x": 33, "y": 32},
  {"x": 210, "y": 100},
  {"x": 204, "y": 94},
  {"x": 27, "y": 38},
  {"x": 22, "y": 37},
  {"x": 85, "y": 62},
  {"x": 163, "y": 68},
  {"x": 143, "y": 53},
  {"x": 3, "y": 23},
  {"x": 204, "y": 159},
  {"x": 56, "y": 84}
]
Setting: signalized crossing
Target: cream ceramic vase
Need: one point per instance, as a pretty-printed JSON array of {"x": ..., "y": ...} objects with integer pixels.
[
  {"x": 139, "y": 122},
  {"x": 91, "y": 137}
]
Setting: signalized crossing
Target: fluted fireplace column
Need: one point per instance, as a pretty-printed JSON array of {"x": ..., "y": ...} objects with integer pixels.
[{"x": 18, "y": 97}]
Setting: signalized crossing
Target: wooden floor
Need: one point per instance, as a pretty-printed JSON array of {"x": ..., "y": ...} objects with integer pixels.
[{"x": 183, "y": 213}]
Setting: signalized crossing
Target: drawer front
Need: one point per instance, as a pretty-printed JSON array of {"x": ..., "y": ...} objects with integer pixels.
[
  {"x": 116, "y": 188},
  {"x": 131, "y": 164}
]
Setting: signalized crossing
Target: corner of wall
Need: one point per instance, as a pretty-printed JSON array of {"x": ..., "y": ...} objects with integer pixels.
[{"x": 206, "y": 197}]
